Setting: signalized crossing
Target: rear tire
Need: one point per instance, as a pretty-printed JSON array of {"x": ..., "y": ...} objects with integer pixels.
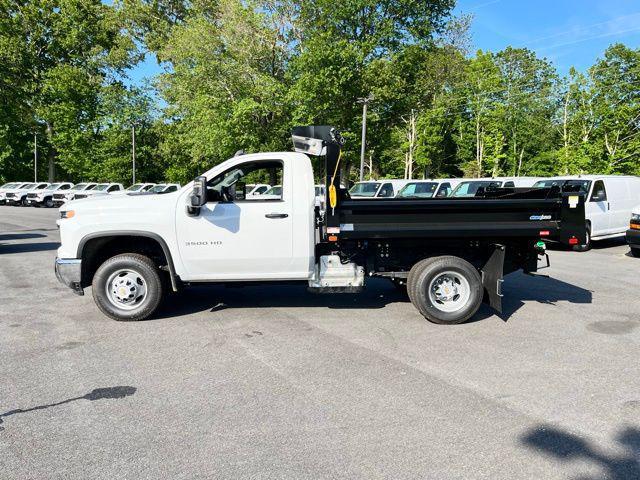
[
  {"x": 635, "y": 252},
  {"x": 127, "y": 287},
  {"x": 587, "y": 245},
  {"x": 446, "y": 290}
]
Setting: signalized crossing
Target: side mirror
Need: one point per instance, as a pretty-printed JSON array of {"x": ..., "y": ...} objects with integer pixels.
[{"x": 198, "y": 195}]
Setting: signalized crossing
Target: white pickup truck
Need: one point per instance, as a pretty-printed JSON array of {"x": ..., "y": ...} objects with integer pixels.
[{"x": 447, "y": 252}]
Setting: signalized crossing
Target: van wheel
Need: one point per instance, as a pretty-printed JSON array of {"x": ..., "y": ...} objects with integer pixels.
[
  {"x": 127, "y": 287},
  {"x": 587, "y": 244},
  {"x": 635, "y": 252},
  {"x": 445, "y": 290}
]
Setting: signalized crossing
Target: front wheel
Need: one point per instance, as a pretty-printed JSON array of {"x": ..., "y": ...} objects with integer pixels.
[
  {"x": 446, "y": 290},
  {"x": 48, "y": 202},
  {"x": 127, "y": 287}
]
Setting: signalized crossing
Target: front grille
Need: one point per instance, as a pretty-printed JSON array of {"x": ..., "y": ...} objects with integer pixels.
[
  {"x": 58, "y": 196},
  {"x": 11, "y": 195},
  {"x": 78, "y": 197},
  {"x": 32, "y": 195}
]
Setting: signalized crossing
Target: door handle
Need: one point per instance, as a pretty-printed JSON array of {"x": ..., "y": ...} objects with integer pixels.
[{"x": 277, "y": 215}]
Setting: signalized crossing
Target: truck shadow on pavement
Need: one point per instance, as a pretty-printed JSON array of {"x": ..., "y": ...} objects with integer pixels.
[
  {"x": 106, "y": 393},
  {"x": 519, "y": 288},
  {"x": 567, "y": 447},
  {"x": 20, "y": 236}
]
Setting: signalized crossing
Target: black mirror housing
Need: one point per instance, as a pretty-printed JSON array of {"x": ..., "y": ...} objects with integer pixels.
[{"x": 199, "y": 193}]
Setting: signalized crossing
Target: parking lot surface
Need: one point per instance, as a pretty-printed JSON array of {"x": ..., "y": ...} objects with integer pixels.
[{"x": 274, "y": 382}]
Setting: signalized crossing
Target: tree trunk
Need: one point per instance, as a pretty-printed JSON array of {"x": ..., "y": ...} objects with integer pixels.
[{"x": 51, "y": 154}]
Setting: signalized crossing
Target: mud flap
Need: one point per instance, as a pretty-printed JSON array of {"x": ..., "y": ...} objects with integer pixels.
[{"x": 492, "y": 277}]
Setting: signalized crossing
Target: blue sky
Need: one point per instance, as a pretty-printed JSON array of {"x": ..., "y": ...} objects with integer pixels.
[{"x": 566, "y": 32}]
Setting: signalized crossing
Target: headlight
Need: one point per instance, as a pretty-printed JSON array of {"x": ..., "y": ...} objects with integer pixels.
[
  {"x": 635, "y": 217},
  {"x": 67, "y": 213}
]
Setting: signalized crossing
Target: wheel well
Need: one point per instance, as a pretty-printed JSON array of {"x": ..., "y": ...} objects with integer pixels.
[{"x": 96, "y": 251}]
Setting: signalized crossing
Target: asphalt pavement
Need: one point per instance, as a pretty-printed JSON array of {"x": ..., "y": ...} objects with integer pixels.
[{"x": 273, "y": 382}]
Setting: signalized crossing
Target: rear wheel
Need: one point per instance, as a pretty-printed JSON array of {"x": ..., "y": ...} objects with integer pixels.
[
  {"x": 445, "y": 290},
  {"x": 127, "y": 287},
  {"x": 635, "y": 252},
  {"x": 587, "y": 244}
]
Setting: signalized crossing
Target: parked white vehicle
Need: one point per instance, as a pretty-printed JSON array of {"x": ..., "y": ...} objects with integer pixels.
[
  {"x": 469, "y": 187},
  {"x": 136, "y": 188},
  {"x": 434, "y": 188},
  {"x": 44, "y": 196},
  {"x": 8, "y": 187},
  {"x": 99, "y": 190},
  {"x": 385, "y": 188},
  {"x": 256, "y": 189},
  {"x": 164, "y": 188},
  {"x": 610, "y": 200},
  {"x": 60, "y": 198},
  {"x": 633, "y": 234},
  {"x": 18, "y": 196}
]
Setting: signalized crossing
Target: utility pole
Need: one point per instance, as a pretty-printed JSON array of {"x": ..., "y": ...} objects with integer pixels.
[
  {"x": 35, "y": 156},
  {"x": 133, "y": 150},
  {"x": 365, "y": 102}
]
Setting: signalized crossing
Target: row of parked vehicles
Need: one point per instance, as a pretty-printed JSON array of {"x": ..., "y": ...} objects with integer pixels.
[{"x": 43, "y": 194}]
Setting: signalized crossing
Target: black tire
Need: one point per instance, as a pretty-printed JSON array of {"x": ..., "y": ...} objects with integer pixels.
[
  {"x": 23, "y": 202},
  {"x": 635, "y": 252},
  {"x": 413, "y": 274},
  {"x": 428, "y": 270},
  {"x": 587, "y": 245},
  {"x": 139, "y": 264},
  {"x": 48, "y": 202}
]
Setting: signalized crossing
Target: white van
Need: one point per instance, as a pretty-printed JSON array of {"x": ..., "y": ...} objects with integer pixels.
[
  {"x": 377, "y": 188},
  {"x": 431, "y": 188},
  {"x": 609, "y": 203}
]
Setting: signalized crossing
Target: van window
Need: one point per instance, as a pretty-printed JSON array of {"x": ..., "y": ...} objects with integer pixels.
[
  {"x": 509, "y": 184},
  {"x": 444, "y": 190},
  {"x": 386, "y": 190},
  {"x": 599, "y": 193}
]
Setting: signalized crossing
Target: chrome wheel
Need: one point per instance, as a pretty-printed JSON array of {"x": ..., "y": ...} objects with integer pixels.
[
  {"x": 126, "y": 289},
  {"x": 449, "y": 291}
]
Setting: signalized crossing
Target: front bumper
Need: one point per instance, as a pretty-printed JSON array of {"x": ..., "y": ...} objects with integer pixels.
[
  {"x": 633, "y": 238},
  {"x": 69, "y": 273}
]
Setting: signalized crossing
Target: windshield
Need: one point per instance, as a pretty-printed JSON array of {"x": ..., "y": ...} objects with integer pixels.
[
  {"x": 102, "y": 187},
  {"x": 9, "y": 185},
  {"x": 548, "y": 183},
  {"x": 582, "y": 185},
  {"x": 277, "y": 190},
  {"x": 158, "y": 188},
  {"x": 418, "y": 190},
  {"x": 27, "y": 186},
  {"x": 135, "y": 188},
  {"x": 469, "y": 189},
  {"x": 364, "y": 189},
  {"x": 53, "y": 186}
]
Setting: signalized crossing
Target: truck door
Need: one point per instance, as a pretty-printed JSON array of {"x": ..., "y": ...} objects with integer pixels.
[
  {"x": 235, "y": 237},
  {"x": 597, "y": 209}
]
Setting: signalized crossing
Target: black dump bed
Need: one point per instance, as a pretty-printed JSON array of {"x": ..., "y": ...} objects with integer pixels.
[{"x": 523, "y": 213}]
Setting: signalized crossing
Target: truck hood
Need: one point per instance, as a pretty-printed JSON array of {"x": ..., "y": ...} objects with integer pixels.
[{"x": 120, "y": 204}]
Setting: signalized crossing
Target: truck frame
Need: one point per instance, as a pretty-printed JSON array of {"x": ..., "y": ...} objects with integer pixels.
[{"x": 449, "y": 254}]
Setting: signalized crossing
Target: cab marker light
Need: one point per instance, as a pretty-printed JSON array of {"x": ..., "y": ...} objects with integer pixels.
[{"x": 333, "y": 238}]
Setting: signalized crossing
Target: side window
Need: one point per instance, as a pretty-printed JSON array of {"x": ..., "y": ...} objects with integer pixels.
[
  {"x": 386, "y": 191},
  {"x": 599, "y": 193},
  {"x": 262, "y": 189},
  {"x": 172, "y": 188},
  {"x": 444, "y": 190},
  {"x": 231, "y": 185},
  {"x": 65, "y": 187},
  {"x": 509, "y": 184},
  {"x": 112, "y": 188}
]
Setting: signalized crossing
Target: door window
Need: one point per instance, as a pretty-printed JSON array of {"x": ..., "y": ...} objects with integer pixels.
[
  {"x": 444, "y": 190},
  {"x": 231, "y": 185},
  {"x": 509, "y": 184},
  {"x": 386, "y": 191},
  {"x": 113, "y": 188},
  {"x": 599, "y": 193}
]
